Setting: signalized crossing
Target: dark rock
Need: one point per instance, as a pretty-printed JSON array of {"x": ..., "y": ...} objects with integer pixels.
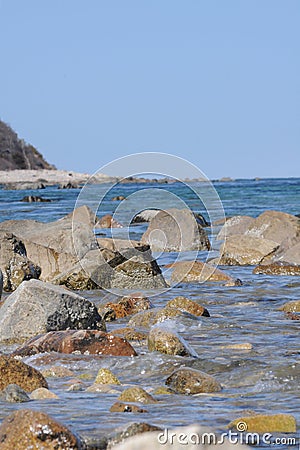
[
  {"x": 118, "y": 198},
  {"x": 35, "y": 199},
  {"x": 36, "y": 307},
  {"x": 68, "y": 185},
  {"x": 91, "y": 342},
  {"x": 191, "y": 381},
  {"x": 27, "y": 429},
  {"x": 16, "y": 154},
  {"x": 13, "y": 371}
]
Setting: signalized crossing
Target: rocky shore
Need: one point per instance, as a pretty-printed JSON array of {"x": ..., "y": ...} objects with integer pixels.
[{"x": 47, "y": 269}]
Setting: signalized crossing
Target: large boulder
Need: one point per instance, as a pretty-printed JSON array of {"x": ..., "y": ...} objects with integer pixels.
[
  {"x": 14, "y": 263},
  {"x": 245, "y": 250},
  {"x": 13, "y": 371},
  {"x": 175, "y": 230},
  {"x": 87, "y": 342},
  {"x": 235, "y": 225},
  {"x": 37, "y": 307},
  {"x": 27, "y": 429}
]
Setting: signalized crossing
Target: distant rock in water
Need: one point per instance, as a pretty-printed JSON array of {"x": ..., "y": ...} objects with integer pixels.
[{"x": 16, "y": 154}]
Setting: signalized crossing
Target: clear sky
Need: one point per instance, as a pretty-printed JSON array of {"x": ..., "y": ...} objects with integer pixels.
[{"x": 216, "y": 82}]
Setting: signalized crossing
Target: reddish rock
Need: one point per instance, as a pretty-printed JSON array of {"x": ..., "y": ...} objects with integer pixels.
[
  {"x": 92, "y": 342},
  {"x": 128, "y": 305},
  {"x": 108, "y": 221},
  {"x": 13, "y": 371},
  {"x": 277, "y": 269},
  {"x": 293, "y": 316},
  {"x": 130, "y": 334},
  {"x": 27, "y": 429}
]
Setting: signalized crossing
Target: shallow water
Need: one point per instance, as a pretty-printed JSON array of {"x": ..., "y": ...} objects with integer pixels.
[{"x": 262, "y": 380}]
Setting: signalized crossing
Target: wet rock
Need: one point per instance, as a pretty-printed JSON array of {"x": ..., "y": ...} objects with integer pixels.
[
  {"x": 34, "y": 429},
  {"x": 15, "y": 394},
  {"x": 243, "y": 250},
  {"x": 42, "y": 394},
  {"x": 36, "y": 307},
  {"x": 13, "y": 371},
  {"x": 293, "y": 316},
  {"x": 108, "y": 221},
  {"x": 130, "y": 334},
  {"x": 277, "y": 269},
  {"x": 273, "y": 423},
  {"x": 185, "y": 304},
  {"x": 35, "y": 199},
  {"x": 191, "y": 381},
  {"x": 145, "y": 216},
  {"x": 293, "y": 306},
  {"x": 145, "y": 319},
  {"x": 14, "y": 263},
  {"x": 163, "y": 390},
  {"x": 175, "y": 230},
  {"x": 88, "y": 342},
  {"x": 24, "y": 186},
  {"x": 235, "y": 225},
  {"x": 68, "y": 185},
  {"x": 241, "y": 346},
  {"x": 163, "y": 340},
  {"x": 136, "y": 395},
  {"x": 128, "y": 305},
  {"x": 105, "y": 376},
  {"x": 197, "y": 271},
  {"x": 57, "y": 372},
  {"x": 131, "y": 430},
  {"x": 123, "y": 407}
]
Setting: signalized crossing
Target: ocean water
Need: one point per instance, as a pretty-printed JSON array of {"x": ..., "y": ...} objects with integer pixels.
[{"x": 262, "y": 380}]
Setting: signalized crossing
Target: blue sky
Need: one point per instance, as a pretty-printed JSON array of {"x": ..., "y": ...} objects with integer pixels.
[{"x": 216, "y": 82}]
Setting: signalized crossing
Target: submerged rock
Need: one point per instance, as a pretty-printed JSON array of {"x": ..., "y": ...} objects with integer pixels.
[
  {"x": 190, "y": 306},
  {"x": 277, "y": 269},
  {"x": 37, "y": 307},
  {"x": 175, "y": 230},
  {"x": 26, "y": 429},
  {"x": 26, "y": 377},
  {"x": 125, "y": 407},
  {"x": 88, "y": 342},
  {"x": 136, "y": 395},
  {"x": 293, "y": 306},
  {"x": 35, "y": 199},
  {"x": 163, "y": 340},
  {"x": 191, "y": 381},
  {"x": 260, "y": 423}
]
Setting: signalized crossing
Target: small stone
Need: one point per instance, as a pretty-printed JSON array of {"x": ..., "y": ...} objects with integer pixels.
[
  {"x": 131, "y": 430},
  {"x": 42, "y": 394},
  {"x": 165, "y": 341},
  {"x": 260, "y": 423},
  {"x": 15, "y": 394},
  {"x": 162, "y": 390},
  {"x": 243, "y": 346},
  {"x": 118, "y": 198},
  {"x": 105, "y": 376},
  {"x": 191, "y": 381},
  {"x": 128, "y": 305},
  {"x": 136, "y": 395},
  {"x": 185, "y": 304},
  {"x": 278, "y": 269},
  {"x": 123, "y": 407}
]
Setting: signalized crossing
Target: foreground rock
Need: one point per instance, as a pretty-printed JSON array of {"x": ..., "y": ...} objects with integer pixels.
[
  {"x": 197, "y": 271},
  {"x": 37, "y": 307},
  {"x": 88, "y": 342},
  {"x": 191, "y": 381},
  {"x": 134, "y": 429},
  {"x": 127, "y": 306},
  {"x": 276, "y": 423},
  {"x": 277, "y": 269},
  {"x": 15, "y": 394},
  {"x": 27, "y": 429},
  {"x": 175, "y": 230},
  {"x": 13, "y": 371},
  {"x": 15, "y": 265},
  {"x": 163, "y": 340}
]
